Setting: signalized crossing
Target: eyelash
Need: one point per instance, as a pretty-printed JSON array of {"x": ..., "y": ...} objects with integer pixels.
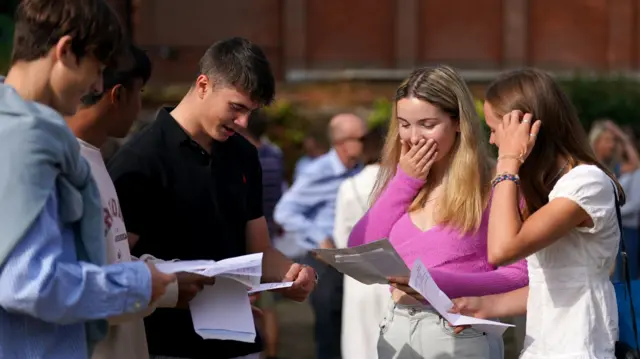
[{"x": 428, "y": 127}]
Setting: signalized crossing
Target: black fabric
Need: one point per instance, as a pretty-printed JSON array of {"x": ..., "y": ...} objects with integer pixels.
[
  {"x": 623, "y": 350},
  {"x": 185, "y": 203}
]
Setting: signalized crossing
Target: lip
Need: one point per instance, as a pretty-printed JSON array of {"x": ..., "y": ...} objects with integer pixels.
[{"x": 228, "y": 131}]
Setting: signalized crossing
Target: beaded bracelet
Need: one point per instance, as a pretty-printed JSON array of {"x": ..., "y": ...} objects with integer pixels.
[{"x": 505, "y": 177}]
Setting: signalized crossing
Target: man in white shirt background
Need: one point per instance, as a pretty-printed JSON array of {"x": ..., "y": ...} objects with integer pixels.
[{"x": 111, "y": 114}]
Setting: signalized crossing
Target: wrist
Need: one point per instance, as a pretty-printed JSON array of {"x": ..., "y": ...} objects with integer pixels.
[{"x": 511, "y": 166}]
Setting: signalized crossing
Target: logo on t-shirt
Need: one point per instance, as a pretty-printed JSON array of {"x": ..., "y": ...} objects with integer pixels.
[{"x": 110, "y": 212}]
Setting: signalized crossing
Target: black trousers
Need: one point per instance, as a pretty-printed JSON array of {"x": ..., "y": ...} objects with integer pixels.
[{"x": 326, "y": 301}]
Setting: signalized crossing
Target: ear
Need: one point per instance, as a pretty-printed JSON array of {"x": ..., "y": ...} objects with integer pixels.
[
  {"x": 202, "y": 86},
  {"x": 63, "y": 52},
  {"x": 117, "y": 94}
]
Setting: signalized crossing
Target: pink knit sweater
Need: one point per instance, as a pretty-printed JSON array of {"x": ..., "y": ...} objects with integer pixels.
[{"x": 456, "y": 261}]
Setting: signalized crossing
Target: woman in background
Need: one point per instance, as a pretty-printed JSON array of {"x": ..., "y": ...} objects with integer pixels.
[
  {"x": 615, "y": 149},
  {"x": 363, "y": 305}
]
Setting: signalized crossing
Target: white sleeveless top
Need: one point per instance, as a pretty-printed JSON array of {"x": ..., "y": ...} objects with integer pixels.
[{"x": 571, "y": 310}]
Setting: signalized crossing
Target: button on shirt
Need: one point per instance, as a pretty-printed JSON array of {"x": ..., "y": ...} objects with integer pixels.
[
  {"x": 308, "y": 208},
  {"x": 185, "y": 203}
]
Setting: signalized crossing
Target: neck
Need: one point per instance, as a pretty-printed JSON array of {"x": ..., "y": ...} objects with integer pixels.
[
  {"x": 437, "y": 172},
  {"x": 29, "y": 87},
  {"x": 189, "y": 120},
  {"x": 253, "y": 140},
  {"x": 86, "y": 126}
]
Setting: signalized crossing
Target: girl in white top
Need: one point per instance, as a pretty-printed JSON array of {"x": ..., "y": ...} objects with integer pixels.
[{"x": 553, "y": 203}]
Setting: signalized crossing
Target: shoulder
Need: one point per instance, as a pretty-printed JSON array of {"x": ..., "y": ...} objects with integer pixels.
[{"x": 587, "y": 185}]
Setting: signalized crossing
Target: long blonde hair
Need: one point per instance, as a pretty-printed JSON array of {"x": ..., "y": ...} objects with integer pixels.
[{"x": 467, "y": 181}]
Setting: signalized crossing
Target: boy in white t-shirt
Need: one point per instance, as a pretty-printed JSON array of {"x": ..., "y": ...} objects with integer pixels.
[{"x": 111, "y": 114}]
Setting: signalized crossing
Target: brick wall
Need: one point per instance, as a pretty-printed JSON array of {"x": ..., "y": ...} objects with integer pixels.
[{"x": 387, "y": 35}]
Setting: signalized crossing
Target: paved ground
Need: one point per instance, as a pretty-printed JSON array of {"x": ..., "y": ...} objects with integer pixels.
[{"x": 296, "y": 332}]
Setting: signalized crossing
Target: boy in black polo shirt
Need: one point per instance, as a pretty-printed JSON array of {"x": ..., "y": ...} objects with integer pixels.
[{"x": 190, "y": 188}]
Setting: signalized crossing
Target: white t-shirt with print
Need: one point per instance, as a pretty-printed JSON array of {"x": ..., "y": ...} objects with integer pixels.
[
  {"x": 571, "y": 310},
  {"x": 126, "y": 340}
]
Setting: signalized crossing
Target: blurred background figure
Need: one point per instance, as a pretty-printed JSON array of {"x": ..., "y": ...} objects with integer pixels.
[
  {"x": 314, "y": 146},
  {"x": 363, "y": 306},
  {"x": 616, "y": 150},
  {"x": 307, "y": 209},
  {"x": 272, "y": 163},
  {"x": 611, "y": 144}
]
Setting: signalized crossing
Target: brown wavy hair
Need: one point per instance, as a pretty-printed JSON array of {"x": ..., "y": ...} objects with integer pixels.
[{"x": 561, "y": 134}]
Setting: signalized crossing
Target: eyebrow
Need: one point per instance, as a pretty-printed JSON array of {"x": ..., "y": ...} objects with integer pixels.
[{"x": 422, "y": 119}]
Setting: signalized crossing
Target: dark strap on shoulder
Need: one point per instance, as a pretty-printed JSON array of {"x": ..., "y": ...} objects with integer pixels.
[{"x": 625, "y": 269}]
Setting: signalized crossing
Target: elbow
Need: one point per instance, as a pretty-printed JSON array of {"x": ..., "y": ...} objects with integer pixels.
[{"x": 497, "y": 257}]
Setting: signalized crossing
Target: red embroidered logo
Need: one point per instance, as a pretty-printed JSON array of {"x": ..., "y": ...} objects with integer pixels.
[{"x": 244, "y": 179}]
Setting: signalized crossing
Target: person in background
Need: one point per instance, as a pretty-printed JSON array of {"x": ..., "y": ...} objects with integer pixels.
[
  {"x": 272, "y": 163},
  {"x": 609, "y": 143},
  {"x": 308, "y": 211},
  {"x": 362, "y": 305},
  {"x": 432, "y": 200},
  {"x": 313, "y": 148},
  {"x": 191, "y": 188},
  {"x": 567, "y": 230},
  {"x": 616, "y": 150},
  {"x": 111, "y": 113},
  {"x": 55, "y": 287}
]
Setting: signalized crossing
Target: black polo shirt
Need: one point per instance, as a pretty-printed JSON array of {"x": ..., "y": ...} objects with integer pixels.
[{"x": 185, "y": 203}]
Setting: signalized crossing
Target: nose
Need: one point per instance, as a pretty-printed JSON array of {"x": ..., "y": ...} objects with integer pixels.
[
  {"x": 242, "y": 120},
  {"x": 415, "y": 136},
  {"x": 97, "y": 88}
]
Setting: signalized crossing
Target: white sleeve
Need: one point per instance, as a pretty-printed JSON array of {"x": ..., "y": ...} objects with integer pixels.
[
  {"x": 341, "y": 227},
  {"x": 590, "y": 188}
]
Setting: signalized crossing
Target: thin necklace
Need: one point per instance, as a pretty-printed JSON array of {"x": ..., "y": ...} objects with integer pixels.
[{"x": 559, "y": 172}]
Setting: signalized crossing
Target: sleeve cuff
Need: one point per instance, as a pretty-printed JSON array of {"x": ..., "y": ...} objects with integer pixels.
[
  {"x": 139, "y": 294},
  {"x": 412, "y": 182}
]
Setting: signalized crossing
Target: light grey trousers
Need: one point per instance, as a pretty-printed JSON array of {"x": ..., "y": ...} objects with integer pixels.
[{"x": 419, "y": 332}]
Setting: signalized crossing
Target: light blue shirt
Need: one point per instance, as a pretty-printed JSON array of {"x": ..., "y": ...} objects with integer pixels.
[
  {"x": 46, "y": 294},
  {"x": 301, "y": 165},
  {"x": 308, "y": 208}
]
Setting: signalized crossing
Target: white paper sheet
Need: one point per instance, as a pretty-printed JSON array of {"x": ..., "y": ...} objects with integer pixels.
[
  {"x": 222, "y": 311},
  {"x": 421, "y": 281},
  {"x": 245, "y": 269},
  {"x": 269, "y": 286},
  {"x": 369, "y": 263}
]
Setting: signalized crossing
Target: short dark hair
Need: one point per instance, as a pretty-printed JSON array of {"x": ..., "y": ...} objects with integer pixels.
[
  {"x": 139, "y": 69},
  {"x": 372, "y": 144},
  {"x": 240, "y": 63},
  {"x": 92, "y": 24},
  {"x": 258, "y": 124}
]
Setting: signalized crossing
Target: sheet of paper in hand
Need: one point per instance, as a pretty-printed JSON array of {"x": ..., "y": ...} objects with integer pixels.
[
  {"x": 222, "y": 311},
  {"x": 369, "y": 263},
  {"x": 245, "y": 269},
  {"x": 423, "y": 283}
]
